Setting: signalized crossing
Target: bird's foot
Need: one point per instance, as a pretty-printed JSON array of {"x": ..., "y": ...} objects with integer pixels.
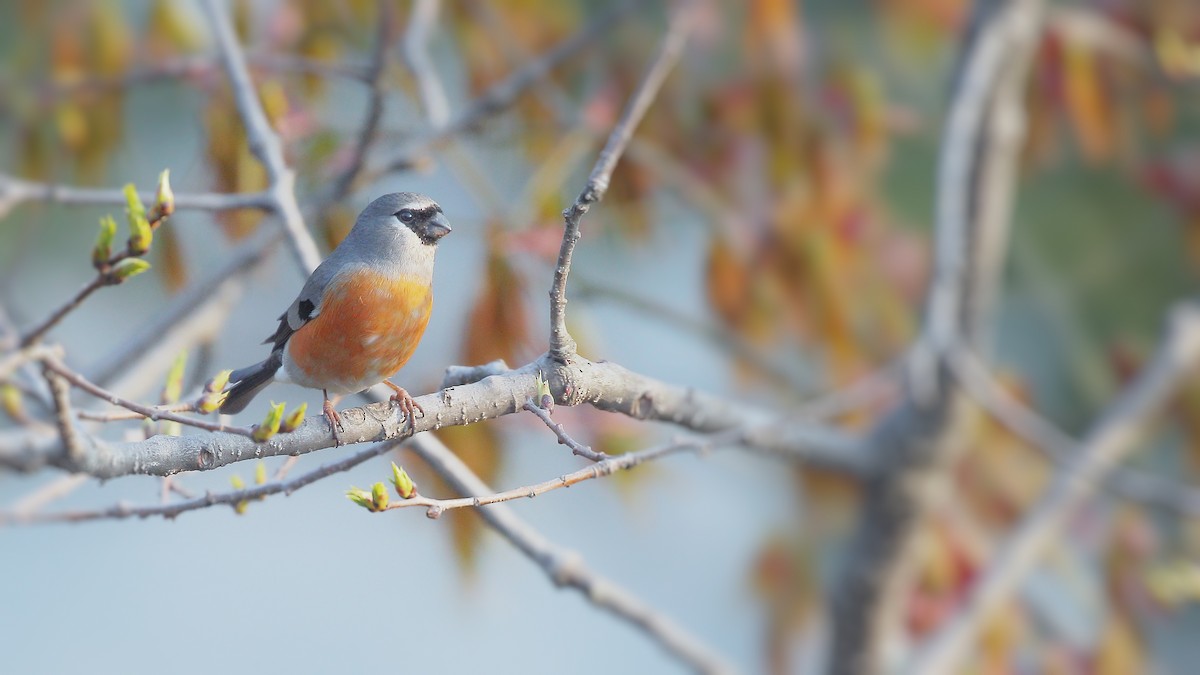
[
  {"x": 406, "y": 403},
  {"x": 335, "y": 421}
]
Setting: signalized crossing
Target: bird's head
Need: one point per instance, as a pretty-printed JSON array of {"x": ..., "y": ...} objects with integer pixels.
[{"x": 407, "y": 214}]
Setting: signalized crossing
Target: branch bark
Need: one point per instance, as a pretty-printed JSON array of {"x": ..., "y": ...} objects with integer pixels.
[
  {"x": 606, "y": 386},
  {"x": 917, "y": 440}
]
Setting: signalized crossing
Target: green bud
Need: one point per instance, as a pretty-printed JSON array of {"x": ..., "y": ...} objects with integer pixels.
[
  {"x": 128, "y": 268},
  {"x": 379, "y": 496},
  {"x": 211, "y": 402},
  {"x": 270, "y": 423},
  {"x": 170, "y": 428},
  {"x": 544, "y": 399},
  {"x": 174, "y": 386},
  {"x": 260, "y": 473},
  {"x": 164, "y": 197},
  {"x": 236, "y": 481},
  {"x": 218, "y": 382},
  {"x": 361, "y": 497},
  {"x": 295, "y": 419},
  {"x": 140, "y": 234},
  {"x": 403, "y": 484},
  {"x": 104, "y": 241},
  {"x": 10, "y": 401}
]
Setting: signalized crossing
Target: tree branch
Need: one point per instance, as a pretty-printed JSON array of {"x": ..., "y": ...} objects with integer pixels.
[
  {"x": 566, "y": 568},
  {"x": 604, "y": 385},
  {"x": 264, "y": 143},
  {"x": 1118, "y": 431},
  {"x": 564, "y": 438},
  {"x": 14, "y": 191},
  {"x": 562, "y": 345},
  {"x": 121, "y": 511},
  {"x": 504, "y": 93},
  {"x": 916, "y": 441},
  {"x": 153, "y": 413}
]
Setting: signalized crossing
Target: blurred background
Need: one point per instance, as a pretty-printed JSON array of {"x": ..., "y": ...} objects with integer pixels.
[{"x": 766, "y": 237}]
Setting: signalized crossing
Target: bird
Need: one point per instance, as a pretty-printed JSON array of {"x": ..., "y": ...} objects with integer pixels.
[{"x": 360, "y": 315}]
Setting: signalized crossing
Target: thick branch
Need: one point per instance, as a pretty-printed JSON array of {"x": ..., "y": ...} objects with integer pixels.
[
  {"x": 917, "y": 440},
  {"x": 562, "y": 345},
  {"x": 605, "y": 385}
]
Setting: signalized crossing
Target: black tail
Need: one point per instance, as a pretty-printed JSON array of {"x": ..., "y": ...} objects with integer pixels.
[{"x": 248, "y": 381}]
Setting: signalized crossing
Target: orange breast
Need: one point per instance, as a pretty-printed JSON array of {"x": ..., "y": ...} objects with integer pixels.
[{"x": 367, "y": 328}]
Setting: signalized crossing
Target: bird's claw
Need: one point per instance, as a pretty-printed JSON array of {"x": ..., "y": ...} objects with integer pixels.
[
  {"x": 335, "y": 421},
  {"x": 407, "y": 404}
]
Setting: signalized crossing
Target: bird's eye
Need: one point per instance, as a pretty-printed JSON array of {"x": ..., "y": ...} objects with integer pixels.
[{"x": 406, "y": 215}]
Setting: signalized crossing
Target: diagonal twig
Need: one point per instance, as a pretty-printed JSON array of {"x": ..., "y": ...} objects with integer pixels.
[
  {"x": 264, "y": 143},
  {"x": 566, "y": 568},
  {"x": 562, "y": 345},
  {"x": 564, "y": 438}
]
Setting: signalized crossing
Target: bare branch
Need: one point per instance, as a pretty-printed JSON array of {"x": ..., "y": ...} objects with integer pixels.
[
  {"x": 564, "y": 438},
  {"x": 64, "y": 419},
  {"x": 916, "y": 441},
  {"x": 265, "y": 144},
  {"x": 154, "y": 413},
  {"x": 1118, "y": 431},
  {"x": 606, "y": 466},
  {"x": 562, "y": 345},
  {"x": 504, "y": 93},
  {"x": 605, "y": 385},
  {"x": 194, "y": 315},
  {"x": 14, "y": 191},
  {"x": 566, "y": 568},
  {"x": 231, "y": 498}
]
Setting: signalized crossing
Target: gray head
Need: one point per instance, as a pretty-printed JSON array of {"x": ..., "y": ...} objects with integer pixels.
[{"x": 399, "y": 214}]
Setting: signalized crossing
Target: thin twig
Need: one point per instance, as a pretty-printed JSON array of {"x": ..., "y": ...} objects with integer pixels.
[
  {"x": 504, "y": 93},
  {"x": 370, "y": 126},
  {"x": 64, "y": 420},
  {"x": 603, "y": 467},
  {"x": 564, "y": 438},
  {"x": 15, "y": 190},
  {"x": 562, "y": 345},
  {"x": 566, "y": 568},
  {"x": 126, "y": 415},
  {"x": 148, "y": 412},
  {"x": 194, "y": 315},
  {"x": 122, "y": 511}
]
